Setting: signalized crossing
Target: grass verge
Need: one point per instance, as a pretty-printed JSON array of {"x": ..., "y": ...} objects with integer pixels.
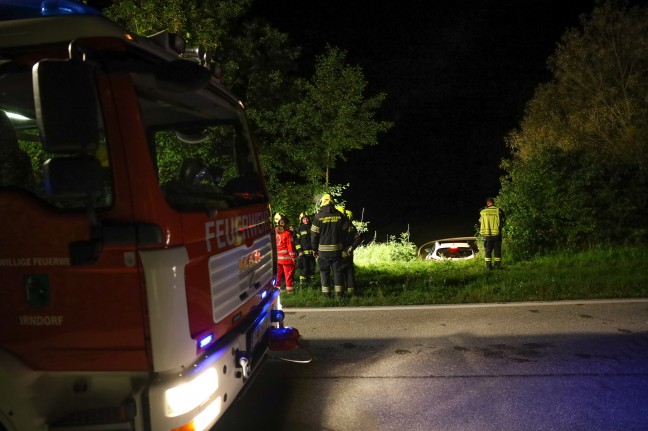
[{"x": 599, "y": 273}]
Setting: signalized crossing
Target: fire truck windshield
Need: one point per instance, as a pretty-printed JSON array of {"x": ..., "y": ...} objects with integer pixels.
[{"x": 202, "y": 148}]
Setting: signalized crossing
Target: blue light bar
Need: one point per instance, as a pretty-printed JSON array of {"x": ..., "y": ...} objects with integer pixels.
[
  {"x": 23, "y": 9},
  {"x": 65, "y": 7}
]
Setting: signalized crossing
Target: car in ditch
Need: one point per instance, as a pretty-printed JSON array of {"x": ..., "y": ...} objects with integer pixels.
[{"x": 460, "y": 248}]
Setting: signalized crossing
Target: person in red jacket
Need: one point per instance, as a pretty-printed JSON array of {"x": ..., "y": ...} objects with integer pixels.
[{"x": 286, "y": 255}]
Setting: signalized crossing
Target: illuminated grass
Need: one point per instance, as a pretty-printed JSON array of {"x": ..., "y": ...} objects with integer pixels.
[{"x": 602, "y": 273}]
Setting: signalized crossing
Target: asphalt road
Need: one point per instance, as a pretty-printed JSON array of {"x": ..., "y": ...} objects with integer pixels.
[{"x": 526, "y": 366}]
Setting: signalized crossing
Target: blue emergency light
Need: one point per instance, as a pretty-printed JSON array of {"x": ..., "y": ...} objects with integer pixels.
[
  {"x": 24, "y": 9},
  {"x": 205, "y": 341}
]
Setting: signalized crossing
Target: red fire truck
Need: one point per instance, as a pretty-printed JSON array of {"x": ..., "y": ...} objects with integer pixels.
[{"x": 136, "y": 258}]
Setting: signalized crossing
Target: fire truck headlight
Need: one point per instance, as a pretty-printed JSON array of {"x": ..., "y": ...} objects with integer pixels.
[
  {"x": 187, "y": 396},
  {"x": 204, "y": 419},
  {"x": 207, "y": 416}
]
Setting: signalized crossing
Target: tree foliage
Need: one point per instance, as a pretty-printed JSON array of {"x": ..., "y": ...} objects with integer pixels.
[
  {"x": 578, "y": 173},
  {"x": 330, "y": 117},
  {"x": 597, "y": 98},
  {"x": 560, "y": 198},
  {"x": 334, "y": 117},
  {"x": 199, "y": 22}
]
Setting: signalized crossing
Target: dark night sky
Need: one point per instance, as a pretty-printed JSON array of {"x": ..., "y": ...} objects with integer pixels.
[{"x": 457, "y": 78}]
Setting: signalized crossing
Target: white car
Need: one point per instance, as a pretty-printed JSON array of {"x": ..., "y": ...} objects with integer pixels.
[{"x": 461, "y": 248}]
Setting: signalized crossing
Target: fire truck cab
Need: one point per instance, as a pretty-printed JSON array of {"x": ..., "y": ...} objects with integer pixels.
[{"x": 136, "y": 260}]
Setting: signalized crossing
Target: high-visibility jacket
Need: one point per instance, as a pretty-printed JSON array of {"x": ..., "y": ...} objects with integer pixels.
[
  {"x": 327, "y": 234},
  {"x": 303, "y": 242},
  {"x": 491, "y": 220},
  {"x": 285, "y": 246}
]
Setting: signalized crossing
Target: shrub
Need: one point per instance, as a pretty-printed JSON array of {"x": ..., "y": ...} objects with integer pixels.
[
  {"x": 393, "y": 251},
  {"x": 559, "y": 198}
]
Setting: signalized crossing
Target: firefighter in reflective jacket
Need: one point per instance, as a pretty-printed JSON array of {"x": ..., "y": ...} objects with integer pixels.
[
  {"x": 491, "y": 221},
  {"x": 327, "y": 236},
  {"x": 286, "y": 255},
  {"x": 306, "y": 259}
]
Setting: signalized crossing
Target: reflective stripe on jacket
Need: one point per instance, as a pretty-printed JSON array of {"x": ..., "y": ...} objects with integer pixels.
[
  {"x": 327, "y": 230},
  {"x": 304, "y": 239}
]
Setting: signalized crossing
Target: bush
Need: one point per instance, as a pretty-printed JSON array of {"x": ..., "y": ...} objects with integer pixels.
[
  {"x": 570, "y": 199},
  {"x": 395, "y": 250}
]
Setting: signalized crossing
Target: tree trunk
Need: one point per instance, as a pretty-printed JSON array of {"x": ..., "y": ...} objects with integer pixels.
[{"x": 326, "y": 182}]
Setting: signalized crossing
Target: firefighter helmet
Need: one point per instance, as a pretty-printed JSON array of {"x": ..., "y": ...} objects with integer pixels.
[
  {"x": 277, "y": 217},
  {"x": 326, "y": 199}
]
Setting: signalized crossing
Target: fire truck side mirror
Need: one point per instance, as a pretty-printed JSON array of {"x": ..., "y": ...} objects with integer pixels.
[
  {"x": 72, "y": 177},
  {"x": 65, "y": 99}
]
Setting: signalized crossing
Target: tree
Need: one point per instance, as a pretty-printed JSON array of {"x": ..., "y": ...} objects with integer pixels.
[
  {"x": 597, "y": 98},
  {"x": 578, "y": 172},
  {"x": 333, "y": 116},
  {"x": 327, "y": 117}
]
